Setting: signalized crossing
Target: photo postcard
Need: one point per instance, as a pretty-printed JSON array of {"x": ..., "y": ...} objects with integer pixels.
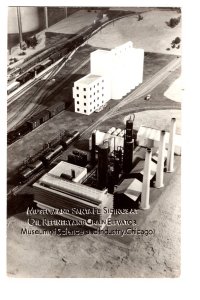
[{"x": 94, "y": 141}]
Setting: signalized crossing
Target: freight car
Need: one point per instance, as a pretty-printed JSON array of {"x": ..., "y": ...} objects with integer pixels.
[
  {"x": 13, "y": 86},
  {"x": 16, "y": 134},
  {"x": 39, "y": 68},
  {"x": 56, "y": 108},
  {"x": 62, "y": 49},
  {"x": 25, "y": 77},
  {"x": 52, "y": 154},
  {"x": 38, "y": 119},
  {"x": 30, "y": 170}
]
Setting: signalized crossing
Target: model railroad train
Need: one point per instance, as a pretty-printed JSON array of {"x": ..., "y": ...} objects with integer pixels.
[
  {"x": 45, "y": 60},
  {"x": 45, "y": 160},
  {"x": 49, "y": 56},
  {"x": 35, "y": 121},
  {"x": 31, "y": 73}
]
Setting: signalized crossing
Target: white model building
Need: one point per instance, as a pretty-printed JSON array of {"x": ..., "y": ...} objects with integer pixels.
[
  {"x": 113, "y": 74},
  {"x": 66, "y": 168},
  {"x": 90, "y": 93},
  {"x": 122, "y": 66}
]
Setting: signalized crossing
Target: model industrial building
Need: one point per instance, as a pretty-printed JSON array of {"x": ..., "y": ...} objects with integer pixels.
[
  {"x": 116, "y": 173},
  {"x": 113, "y": 74}
]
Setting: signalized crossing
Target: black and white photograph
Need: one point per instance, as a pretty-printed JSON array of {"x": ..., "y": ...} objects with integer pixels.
[{"x": 94, "y": 97}]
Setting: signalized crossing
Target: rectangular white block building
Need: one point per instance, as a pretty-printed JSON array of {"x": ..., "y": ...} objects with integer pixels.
[{"x": 90, "y": 93}]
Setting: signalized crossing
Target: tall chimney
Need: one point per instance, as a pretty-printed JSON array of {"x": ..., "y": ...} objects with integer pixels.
[
  {"x": 146, "y": 181},
  {"x": 171, "y": 145},
  {"x": 103, "y": 151},
  {"x": 93, "y": 150},
  {"x": 128, "y": 156},
  {"x": 161, "y": 159}
]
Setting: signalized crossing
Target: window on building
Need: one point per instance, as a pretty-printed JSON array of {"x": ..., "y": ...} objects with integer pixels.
[
  {"x": 90, "y": 103},
  {"x": 102, "y": 88},
  {"x": 94, "y": 93},
  {"x": 97, "y": 91},
  {"x": 90, "y": 89},
  {"x": 84, "y": 104},
  {"x": 94, "y": 86},
  {"x": 90, "y": 110},
  {"x": 97, "y": 105},
  {"x": 84, "y": 97},
  {"x": 90, "y": 96},
  {"x": 102, "y": 95},
  {"x": 77, "y": 95},
  {"x": 94, "y": 100},
  {"x": 98, "y": 83},
  {"x": 84, "y": 89},
  {"x": 77, "y": 102},
  {"x": 77, "y": 88},
  {"x": 84, "y": 110},
  {"x": 98, "y": 98},
  {"x": 102, "y": 80},
  {"x": 78, "y": 109}
]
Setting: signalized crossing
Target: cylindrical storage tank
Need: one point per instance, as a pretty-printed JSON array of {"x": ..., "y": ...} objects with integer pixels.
[
  {"x": 103, "y": 152},
  {"x": 128, "y": 156},
  {"x": 29, "y": 19}
]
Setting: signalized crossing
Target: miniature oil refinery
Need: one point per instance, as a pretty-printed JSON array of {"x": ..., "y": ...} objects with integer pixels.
[{"x": 94, "y": 141}]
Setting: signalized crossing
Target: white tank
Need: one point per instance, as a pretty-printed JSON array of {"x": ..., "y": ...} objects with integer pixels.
[{"x": 29, "y": 19}]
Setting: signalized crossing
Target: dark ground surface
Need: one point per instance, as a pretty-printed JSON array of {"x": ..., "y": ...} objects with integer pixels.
[{"x": 33, "y": 141}]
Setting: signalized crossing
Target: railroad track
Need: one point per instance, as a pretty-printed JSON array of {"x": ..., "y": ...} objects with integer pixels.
[
  {"x": 144, "y": 88},
  {"x": 39, "y": 98}
]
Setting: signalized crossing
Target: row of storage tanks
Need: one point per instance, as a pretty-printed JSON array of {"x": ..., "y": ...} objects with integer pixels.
[{"x": 111, "y": 164}]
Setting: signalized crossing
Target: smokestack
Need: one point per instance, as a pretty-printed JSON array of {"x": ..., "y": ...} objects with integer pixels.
[
  {"x": 146, "y": 181},
  {"x": 171, "y": 145},
  {"x": 110, "y": 181},
  {"x": 129, "y": 130},
  {"x": 93, "y": 151},
  {"x": 160, "y": 165},
  {"x": 128, "y": 156},
  {"x": 19, "y": 26},
  {"x": 46, "y": 17},
  {"x": 117, "y": 170},
  {"x": 103, "y": 151}
]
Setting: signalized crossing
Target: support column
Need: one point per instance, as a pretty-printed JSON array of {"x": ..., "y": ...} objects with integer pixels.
[
  {"x": 66, "y": 12},
  {"x": 161, "y": 159},
  {"x": 19, "y": 20},
  {"x": 171, "y": 146},
  {"x": 46, "y": 17},
  {"x": 146, "y": 181}
]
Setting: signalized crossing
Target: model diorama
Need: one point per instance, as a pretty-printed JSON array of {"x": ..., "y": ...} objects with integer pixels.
[{"x": 93, "y": 128}]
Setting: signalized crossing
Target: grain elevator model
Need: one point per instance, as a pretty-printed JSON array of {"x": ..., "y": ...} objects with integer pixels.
[{"x": 113, "y": 74}]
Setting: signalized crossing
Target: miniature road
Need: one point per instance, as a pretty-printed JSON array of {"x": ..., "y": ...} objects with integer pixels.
[
  {"x": 98, "y": 256},
  {"x": 144, "y": 88}
]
